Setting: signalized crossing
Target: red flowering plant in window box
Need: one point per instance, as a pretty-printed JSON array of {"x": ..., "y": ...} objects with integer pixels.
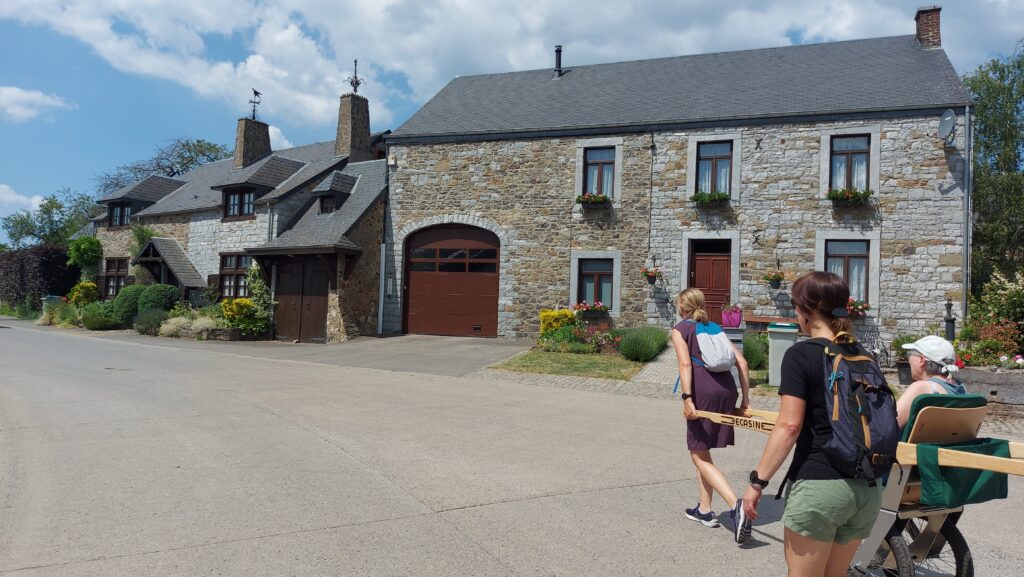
[
  {"x": 583, "y": 308},
  {"x": 857, "y": 308}
]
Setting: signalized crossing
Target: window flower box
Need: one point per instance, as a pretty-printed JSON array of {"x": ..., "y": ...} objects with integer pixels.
[
  {"x": 586, "y": 310},
  {"x": 857, "y": 308},
  {"x": 591, "y": 201},
  {"x": 850, "y": 196},
  {"x": 711, "y": 199},
  {"x": 774, "y": 279},
  {"x": 652, "y": 274}
]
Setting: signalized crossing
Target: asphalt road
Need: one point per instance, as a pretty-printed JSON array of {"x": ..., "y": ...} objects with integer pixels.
[{"x": 121, "y": 457}]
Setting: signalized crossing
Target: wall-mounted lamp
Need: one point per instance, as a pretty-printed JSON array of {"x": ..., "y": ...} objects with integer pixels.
[{"x": 388, "y": 285}]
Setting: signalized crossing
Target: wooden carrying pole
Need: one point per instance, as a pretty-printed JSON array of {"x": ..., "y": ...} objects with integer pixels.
[{"x": 906, "y": 453}]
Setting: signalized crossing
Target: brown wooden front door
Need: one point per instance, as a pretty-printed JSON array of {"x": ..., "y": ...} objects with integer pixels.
[
  {"x": 301, "y": 295},
  {"x": 710, "y": 266},
  {"x": 451, "y": 282}
]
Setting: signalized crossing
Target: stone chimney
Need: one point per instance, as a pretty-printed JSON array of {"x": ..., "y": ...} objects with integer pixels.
[
  {"x": 252, "y": 141},
  {"x": 928, "y": 34},
  {"x": 353, "y": 138}
]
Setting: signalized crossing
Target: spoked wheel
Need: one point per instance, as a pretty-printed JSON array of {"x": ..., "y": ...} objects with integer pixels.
[
  {"x": 948, "y": 553},
  {"x": 891, "y": 560}
]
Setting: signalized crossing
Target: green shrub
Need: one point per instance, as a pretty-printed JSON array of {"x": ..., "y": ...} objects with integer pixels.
[
  {"x": 182, "y": 309},
  {"x": 755, "y": 350},
  {"x": 643, "y": 344},
  {"x": 212, "y": 311},
  {"x": 85, "y": 252},
  {"x": 99, "y": 316},
  {"x": 563, "y": 347},
  {"x": 563, "y": 334},
  {"x": 159, "y": 296},
  {"x": 172, "y": 327},
  {"x": 552, "y": 319},
  {"x": 149, "y": 321},
  {"x": 84, "y": 293},
  {"x": 126, "y": 304},
  {"x": 897, "y": 346},
  {"x": 26, "y": 309}
]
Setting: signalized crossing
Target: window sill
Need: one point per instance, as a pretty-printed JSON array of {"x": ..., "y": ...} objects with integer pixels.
[{"x": 238, "y": 218}]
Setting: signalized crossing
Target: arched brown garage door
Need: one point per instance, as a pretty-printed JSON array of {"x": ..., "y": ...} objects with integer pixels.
[{"x": 451, "y": 282}]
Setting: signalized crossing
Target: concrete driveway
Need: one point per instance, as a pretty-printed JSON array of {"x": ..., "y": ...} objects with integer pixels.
[{"x": 121, "y": 458}]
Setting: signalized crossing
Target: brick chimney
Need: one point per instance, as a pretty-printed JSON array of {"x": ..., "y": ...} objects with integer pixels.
[
  {"x": 252, "y": 141},
  {"x": 353, "y": 138},
  {"x": 928, "y": 34}
]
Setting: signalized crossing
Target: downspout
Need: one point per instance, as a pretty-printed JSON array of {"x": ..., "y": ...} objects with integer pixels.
[
  {"x": 968, "y": 212},
  {"x": 383, "y": 245}
]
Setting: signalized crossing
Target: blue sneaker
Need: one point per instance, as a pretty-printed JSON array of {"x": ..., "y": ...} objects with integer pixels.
[
  {"x": 740, "y": 522},
  {"x": 708, "y": 519}
]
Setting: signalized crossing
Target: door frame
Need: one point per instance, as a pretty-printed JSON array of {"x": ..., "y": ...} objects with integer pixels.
[
  {"x": 303, "y": 260},
  {"x": 734, "y": 257}
]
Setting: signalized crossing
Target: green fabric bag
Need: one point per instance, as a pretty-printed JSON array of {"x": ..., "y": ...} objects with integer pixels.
[{"x": 950, "y": 487}]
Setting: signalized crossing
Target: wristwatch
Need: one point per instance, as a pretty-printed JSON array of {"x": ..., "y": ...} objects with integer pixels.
[
  {"x": 755, "y": 480},
  {"x": 687, "y": 396}
]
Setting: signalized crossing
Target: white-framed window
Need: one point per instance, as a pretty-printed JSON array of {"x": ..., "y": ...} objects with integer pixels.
[
  {"x": 714, "y": 163},
  {"x": 850, "y": 158},
  {"x": 599, "y": 168},
  {"x": 853, "y": 255},
  {"x": 597, "y": 273}
]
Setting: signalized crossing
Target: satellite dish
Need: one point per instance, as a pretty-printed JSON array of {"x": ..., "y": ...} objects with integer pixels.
[{"x": 947, "y": 124}]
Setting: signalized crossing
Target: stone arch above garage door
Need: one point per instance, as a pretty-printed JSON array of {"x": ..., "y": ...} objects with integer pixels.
[{"x": 506, "y": 282}]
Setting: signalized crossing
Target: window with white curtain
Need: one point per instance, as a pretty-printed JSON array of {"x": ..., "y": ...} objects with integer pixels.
[
  {"x": 850, "y": 259},
  {"x": 849, "y": 165},
  {"x": 599, "y": 170},
  {"x": 714, "y": 167}
]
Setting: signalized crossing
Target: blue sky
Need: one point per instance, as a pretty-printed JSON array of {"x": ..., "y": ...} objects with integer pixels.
[{"x": 87, "y": 86}]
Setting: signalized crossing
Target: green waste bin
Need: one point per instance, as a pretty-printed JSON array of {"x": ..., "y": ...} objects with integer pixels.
[{"x": 781, "y": 336}]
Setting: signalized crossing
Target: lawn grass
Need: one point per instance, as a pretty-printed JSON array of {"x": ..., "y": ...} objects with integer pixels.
[{"x": 599, "y": 366}]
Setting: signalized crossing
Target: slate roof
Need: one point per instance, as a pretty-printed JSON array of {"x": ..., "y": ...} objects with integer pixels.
[
  {"x": 176, "y": 260},
  {"x": 149, "y": 189},
  {"x": 267, "y": 172},
  {"x": 327, "y": 232},
  {"x": 336, "y": 182},
  {"x": 881, "y": 74},
  {"x": 198, "y": 192}
]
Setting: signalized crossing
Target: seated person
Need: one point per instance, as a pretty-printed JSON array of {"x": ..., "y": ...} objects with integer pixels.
[{"x": 932, "y": 367}]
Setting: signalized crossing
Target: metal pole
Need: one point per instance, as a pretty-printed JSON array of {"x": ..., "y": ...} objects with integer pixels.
[{"x": 950, "y": 321}]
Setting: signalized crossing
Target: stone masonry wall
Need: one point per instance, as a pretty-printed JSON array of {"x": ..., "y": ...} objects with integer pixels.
[
  {"x": 352, "y": 305},
  {"x": 118, "y": 243},
  {"x": 523, "y": 191},
  {"x": 208, "y": 237}
]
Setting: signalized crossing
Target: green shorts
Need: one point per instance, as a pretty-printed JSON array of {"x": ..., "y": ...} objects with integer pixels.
[{"x": 836, "y": 510}]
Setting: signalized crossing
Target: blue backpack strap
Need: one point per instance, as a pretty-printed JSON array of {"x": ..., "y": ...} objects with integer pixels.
[{"x": 676, "y": 388}]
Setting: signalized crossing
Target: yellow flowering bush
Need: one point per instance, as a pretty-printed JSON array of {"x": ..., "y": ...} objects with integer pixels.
[
  {"x": 237, "y": 309},
  {"x": 554, "y": 319},
  {"x": 84, "y": 293}
]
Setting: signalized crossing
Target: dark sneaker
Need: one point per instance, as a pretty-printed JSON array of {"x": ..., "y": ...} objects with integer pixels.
[
  {"x": 740, "y": 522},
  {"x": 708, "y": 519}
]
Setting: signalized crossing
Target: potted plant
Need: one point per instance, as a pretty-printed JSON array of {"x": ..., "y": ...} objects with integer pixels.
[
  {"x": 850, "y": 196},
  {"x": 710, "y": 199},
  {"x": 902, "y": 363},
  {"x": 732, "y": 317},
  {"x": 857, "y": 308},
  {"x": 652, "y": 274},
  {"x": 589, "y": 311},
  {"x": 591, "y": 200},
  {"x": 774, "y": 279}
]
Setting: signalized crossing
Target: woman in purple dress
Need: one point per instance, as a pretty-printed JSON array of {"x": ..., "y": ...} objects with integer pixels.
[{"x": 707, "y": 391}]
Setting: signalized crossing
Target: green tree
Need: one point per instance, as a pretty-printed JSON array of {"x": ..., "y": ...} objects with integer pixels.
[
  {"x": 998, "y": 90},
  {"x": 4, "y": 247},
  {"x": 86, "y": 252},
  {"x": 173, "y": 159},
  {"x": 59, "y": 216}
]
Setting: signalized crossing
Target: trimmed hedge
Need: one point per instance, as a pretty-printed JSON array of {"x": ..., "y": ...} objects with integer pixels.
[
  {"x": 755, "y": 350},
  {"x": 126, "y": 304},
  {"x": 643, "y": 344},
  {"x": 99, "y": 316},
  {"x": 149, "y": 321},
  {"x": 35, "y": 271},
  {"x": 159, "y": 296}
]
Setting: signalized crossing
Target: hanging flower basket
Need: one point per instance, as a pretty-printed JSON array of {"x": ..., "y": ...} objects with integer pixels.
[
  {"x": 774, "y": 279},
  {"x": 588, "y": 200},
  {"x": 850, "y": 197},
  {"x": 652, "y": 274},
  {"x": 857, "y": 308}
]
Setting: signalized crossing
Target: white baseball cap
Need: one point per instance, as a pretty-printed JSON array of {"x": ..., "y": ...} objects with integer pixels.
[{"x": 933, "y": 348}]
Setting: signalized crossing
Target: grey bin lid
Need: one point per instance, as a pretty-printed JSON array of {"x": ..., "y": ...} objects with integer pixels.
[{"x": 783, "y": 327}]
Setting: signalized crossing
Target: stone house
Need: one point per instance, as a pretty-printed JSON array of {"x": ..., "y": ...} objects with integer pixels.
[
  {"x": 484, "y": 228},
  {"x": 311, "y": 215}
]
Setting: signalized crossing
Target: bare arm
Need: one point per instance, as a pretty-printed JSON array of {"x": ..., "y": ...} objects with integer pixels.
[
  {"x": 907, "y": 398},
  {"x": 780, "y": 443},
  {"x": 685, "y": 373},
  {"x": 744, "y": 372}
]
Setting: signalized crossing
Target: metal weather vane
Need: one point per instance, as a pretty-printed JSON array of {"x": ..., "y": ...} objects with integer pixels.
[
  {"x": 355, "y": 80},
  {"x": 256, "y": 99}
]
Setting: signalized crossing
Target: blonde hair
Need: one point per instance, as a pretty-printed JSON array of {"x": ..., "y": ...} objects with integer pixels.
[{"x": 690, "y": 305}]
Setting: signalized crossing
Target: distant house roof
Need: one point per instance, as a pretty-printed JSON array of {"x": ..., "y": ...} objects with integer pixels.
[
  {"x": 267, "y": 172},
  {"x": 175, "y": 259},
  {"x": 149, "y": 189},
  {"x": 315, "y": 232},
  {"x": 856, "y": 76}
]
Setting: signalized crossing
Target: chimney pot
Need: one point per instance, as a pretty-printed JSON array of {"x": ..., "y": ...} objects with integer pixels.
[
  {"x": 928, "y": 30},
  {"x": 558, "y": 60},
  {"x": 252, "y": 141}
]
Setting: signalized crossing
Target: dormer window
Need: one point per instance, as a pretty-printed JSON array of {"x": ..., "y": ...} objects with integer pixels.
[
  {"x": 327, "y": 204},
  {"x": 239, "y": 206},
  {"x": 118, "y": 214}
]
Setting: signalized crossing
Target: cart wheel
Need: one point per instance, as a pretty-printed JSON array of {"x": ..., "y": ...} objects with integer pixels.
[
  {"x": 892, "y": 560},
  {"x": 949, "y": 554}
]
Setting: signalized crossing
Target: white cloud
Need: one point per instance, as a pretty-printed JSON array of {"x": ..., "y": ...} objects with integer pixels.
[
  {"x": 11, "y": 201},
  {"x": 19, "y": 105},
  {"x": 300, "y": 51},
  {"x": 277, "y": 139}
]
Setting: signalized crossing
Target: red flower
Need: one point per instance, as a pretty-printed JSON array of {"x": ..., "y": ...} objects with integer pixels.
[{"x": 959, "y": 363}]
